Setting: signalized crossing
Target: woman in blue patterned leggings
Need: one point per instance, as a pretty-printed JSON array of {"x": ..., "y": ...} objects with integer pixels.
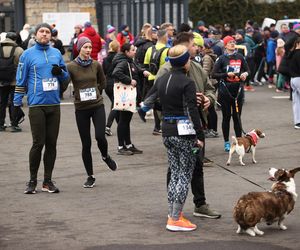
[{"x": 181, "y": 131}]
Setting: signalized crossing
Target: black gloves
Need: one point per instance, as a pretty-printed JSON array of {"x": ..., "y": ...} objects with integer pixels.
[{"x": 56, "y": 70}]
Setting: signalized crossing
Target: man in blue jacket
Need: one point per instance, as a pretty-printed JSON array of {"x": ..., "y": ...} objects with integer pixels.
[{"x": 41, "y": 75}]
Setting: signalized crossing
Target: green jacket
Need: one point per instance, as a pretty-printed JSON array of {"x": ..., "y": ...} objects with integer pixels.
[{"x": 202, "y": 81}]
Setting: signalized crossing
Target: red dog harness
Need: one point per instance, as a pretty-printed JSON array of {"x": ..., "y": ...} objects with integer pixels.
[{"x": 254, "y": 137}]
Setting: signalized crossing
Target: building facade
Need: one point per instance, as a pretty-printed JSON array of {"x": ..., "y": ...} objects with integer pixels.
[{"x": 15, "y": 13}]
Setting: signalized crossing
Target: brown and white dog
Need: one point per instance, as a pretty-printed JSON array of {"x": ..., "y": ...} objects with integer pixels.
[
  {"x": 243, "y": 144},
  {"x": 272, "y": 206}
]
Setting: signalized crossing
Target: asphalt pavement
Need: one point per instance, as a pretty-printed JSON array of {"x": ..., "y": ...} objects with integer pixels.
[{"x": 127, "y": 209}]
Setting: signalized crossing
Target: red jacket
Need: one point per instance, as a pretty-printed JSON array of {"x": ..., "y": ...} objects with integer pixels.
[
  {"x": 91, "y": 33},
  {"x": 123, "y": 39}
]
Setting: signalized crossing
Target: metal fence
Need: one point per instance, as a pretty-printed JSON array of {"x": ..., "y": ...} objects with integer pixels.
[{"x": 137, "y": 12}]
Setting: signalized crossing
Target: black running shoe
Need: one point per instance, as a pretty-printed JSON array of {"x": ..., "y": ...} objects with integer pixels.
[
  {"x": 142, "y": 114},
  {"x": 124, "y": 151},
  {"x": 134, "y": 150},
  {"x": 110, "y": 163},
  {"x": 31, "y": 187},
  {"x": 48, "y": 186},
  {"x": 90, "y": 182}
]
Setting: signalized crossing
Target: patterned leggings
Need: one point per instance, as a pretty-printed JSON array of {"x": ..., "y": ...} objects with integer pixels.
[{"x": 181, "y": 162}]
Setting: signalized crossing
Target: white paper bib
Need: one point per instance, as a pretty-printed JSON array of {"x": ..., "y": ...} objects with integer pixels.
[
  {"x": 185, "y": 127},
  {"x": 88, "y": 94}
]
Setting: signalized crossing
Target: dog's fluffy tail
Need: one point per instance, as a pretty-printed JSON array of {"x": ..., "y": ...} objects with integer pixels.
[{"x": 234, "y": 140}]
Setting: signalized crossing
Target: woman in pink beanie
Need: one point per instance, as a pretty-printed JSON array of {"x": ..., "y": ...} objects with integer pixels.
[{"x": 89, "y": 81}]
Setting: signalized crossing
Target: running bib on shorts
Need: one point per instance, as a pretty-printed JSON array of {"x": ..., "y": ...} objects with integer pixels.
[
  {"x": 50, "y": 84},
  {"x": 185, "y": 127},
  {"x": 88, "y": 94}
]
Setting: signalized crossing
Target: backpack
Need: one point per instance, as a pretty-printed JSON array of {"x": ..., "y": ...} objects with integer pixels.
[
  {"x": 7, "y": 66},
  {"x": 155, "y": 59},
  {"x": 141, "y": 51}
]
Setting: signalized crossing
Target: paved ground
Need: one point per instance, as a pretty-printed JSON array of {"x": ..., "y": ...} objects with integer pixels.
[{"x": 128, "y": 209}]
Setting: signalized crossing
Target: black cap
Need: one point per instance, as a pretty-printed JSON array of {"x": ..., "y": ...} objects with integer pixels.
[{"x": 43, "y": 25}]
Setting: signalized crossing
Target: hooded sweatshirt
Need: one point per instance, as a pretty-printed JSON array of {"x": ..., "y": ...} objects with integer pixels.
[{"x": 91, "y": 33}]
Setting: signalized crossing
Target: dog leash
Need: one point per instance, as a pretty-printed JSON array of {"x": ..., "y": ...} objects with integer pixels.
[
  {"x": 236, "y": 104},
  {"x": 246, "y": 179}
]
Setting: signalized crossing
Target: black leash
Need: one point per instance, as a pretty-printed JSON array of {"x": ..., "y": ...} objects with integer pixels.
[
  {"x": 236, "y": 105},
  {"x": 230, "y": 171}
]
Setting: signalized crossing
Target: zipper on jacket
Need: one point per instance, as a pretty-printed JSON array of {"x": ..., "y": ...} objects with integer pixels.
[
  {"x": 46, "y": 56},
  {"x": 21, "y": 70},
  {"x": 168, "y": 83},
  {"x": 34, "y": 69}
]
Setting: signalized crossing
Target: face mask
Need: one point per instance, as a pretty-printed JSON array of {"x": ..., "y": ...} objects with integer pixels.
[{"x": 125, "y": 33}]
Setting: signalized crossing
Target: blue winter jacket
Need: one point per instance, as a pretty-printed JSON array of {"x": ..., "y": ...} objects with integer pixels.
[
  {"x": 271, "y": 47},
  {"x": 35, "y": 79}
]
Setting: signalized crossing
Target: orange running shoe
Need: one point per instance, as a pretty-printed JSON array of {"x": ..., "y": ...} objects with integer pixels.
[{"x": 180, "y": 225}]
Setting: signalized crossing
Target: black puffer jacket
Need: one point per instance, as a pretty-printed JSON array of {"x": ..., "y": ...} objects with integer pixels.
[{"x": 121, "y": 70}]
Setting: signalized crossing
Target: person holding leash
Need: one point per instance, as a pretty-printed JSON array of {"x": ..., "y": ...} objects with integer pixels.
[
  {"x": 231, "y": 70},
  {"x": 182, "y": 130}
]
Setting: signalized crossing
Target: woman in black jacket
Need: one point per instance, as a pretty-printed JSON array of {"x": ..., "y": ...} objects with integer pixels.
[
  {"x": 181, "y": 130},
  {"x": 122, "y": 63},
  {"x": 231, "y": 70}
]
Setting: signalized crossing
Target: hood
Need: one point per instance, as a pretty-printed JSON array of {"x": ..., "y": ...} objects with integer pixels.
[
  {"x": 90, "y": 31},
  {"x": 8, "y": 41},
  {"x": 119, "y": 58}
]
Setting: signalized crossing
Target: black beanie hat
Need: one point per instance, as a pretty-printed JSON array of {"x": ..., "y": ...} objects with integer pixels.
[{"x": 43, "y": 25}]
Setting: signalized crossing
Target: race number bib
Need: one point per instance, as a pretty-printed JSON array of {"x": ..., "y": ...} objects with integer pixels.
[
  {"x": 185, "y": 127},
  {"x": 88, "y": 94},
  {"x": 50, "y": 84}
]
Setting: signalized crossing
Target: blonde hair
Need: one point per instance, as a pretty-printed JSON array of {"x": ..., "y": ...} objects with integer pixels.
[
  {"x": 165, "y": 26},
  {"x": 145, "y": 28},
  {"x": 114, "y": 46},
  {"x": 177, "y": 50}
]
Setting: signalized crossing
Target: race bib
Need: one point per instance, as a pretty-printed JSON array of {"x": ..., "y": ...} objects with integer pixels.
[
  {"x": 50, "y": 84},
  {"x": 88, "y": 94},
  {"x": 185, "y": 127},
  {"x": 234, "y": 66}
]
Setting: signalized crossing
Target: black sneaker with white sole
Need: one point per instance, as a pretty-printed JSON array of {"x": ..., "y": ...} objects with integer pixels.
[
  {"x": 110, "y": 163},
  {"x": 134, "y": 150},
  {"x": 124, "y": 151},
  {"x": 90, "y": 182},
  {"x": 31, "y": 187},
  {"x": 48, "y": 186}
]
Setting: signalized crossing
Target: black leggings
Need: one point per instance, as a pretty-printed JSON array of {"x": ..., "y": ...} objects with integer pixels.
[
  {"x": 109, "y": 90},
  {"x": 83, "y": 120},
  {"x": 212, "y": 118},
  {"x": 123, "y": 129},
  {"x": 228, "y": 110}
]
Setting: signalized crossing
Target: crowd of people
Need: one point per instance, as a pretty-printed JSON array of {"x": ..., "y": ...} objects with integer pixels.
[{"x": 183, "y": 76}]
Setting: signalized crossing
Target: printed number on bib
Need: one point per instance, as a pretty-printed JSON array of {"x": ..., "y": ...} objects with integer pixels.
[
  {"x": 50, "y": 84},
  {"x": 185, "y": 127},
  {"x": 88, "y": 94}
]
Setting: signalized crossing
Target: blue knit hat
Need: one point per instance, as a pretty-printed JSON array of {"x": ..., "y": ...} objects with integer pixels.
[{"x": 181, "y": 60}]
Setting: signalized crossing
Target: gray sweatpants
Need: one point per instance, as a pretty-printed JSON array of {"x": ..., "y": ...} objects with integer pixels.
[{"x": 295, "y": 84}]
